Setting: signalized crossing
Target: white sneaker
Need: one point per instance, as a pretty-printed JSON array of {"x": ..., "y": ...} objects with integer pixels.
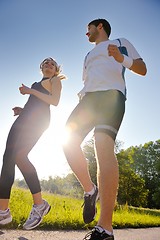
[
  {"x": 5, "y": 217},
  {"x": 36, "y": 216}
]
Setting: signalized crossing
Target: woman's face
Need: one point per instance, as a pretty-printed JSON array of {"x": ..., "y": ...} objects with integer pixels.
[{"x": 49, "y": 66}]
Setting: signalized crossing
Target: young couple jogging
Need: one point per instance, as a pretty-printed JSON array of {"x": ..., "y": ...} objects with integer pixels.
[{"x": 101, "y": 107}]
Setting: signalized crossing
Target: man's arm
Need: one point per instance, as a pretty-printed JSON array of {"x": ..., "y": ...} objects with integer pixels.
[
  {"x": 139, "y": 67},
  {"x": 136, "y": 65}
]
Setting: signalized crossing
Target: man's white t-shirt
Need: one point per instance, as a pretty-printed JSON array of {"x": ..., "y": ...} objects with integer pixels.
[{"x": 102, "y": 72}]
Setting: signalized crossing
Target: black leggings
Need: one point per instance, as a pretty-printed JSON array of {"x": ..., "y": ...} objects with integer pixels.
[{"x": 24, "y": 133}]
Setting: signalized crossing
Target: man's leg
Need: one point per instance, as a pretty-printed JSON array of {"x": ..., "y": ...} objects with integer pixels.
[
  {"x": 79, "y": 166},
  {"x": 107, "y": 178},
  {"x": 78, "y": 125},
  {"x": 77, "y": 162}
]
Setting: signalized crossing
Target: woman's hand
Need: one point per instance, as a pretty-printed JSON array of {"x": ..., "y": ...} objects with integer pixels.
[
  {"x": 17, "y": 110},
  {"x": 25, "y": 90},
  {"x": 59, "y": 77}
]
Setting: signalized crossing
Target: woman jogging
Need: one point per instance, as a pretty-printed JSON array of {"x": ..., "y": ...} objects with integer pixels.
[{"x": 29, "y": 126}]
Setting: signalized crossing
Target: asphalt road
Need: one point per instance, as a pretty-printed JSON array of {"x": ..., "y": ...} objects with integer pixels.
[{"x": 120, "y": 234}]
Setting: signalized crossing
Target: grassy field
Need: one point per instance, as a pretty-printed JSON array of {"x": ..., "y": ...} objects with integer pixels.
[{"x": 66, "y": 213}]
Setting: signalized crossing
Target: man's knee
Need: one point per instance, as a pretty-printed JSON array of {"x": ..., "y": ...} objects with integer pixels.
[
  {"x": 72, "y": 141},
  {"x": 104, "y": 141}
]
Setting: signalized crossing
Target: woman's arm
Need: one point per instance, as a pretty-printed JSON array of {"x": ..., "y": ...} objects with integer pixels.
[{"x": 53, "y": 98}]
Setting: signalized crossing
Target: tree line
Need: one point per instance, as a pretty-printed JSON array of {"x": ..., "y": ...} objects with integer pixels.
[{"x": 139, "y": 175}]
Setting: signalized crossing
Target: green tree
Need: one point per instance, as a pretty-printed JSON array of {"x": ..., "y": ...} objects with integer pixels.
[
  {"x": 131, "y": 186},
  {"x": 146, "y": 162},
  {"x": 49, "y": 185},
  {"x": 89, "y": 153}
]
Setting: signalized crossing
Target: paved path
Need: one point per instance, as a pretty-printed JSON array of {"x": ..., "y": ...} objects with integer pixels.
[{"x": 120, "y": 234}]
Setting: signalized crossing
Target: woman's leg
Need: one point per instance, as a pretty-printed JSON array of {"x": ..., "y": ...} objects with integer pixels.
[
  {"x": 6, "y": 181},
  {"x": 6, "y": 178},
  {"x": 40, "y": 207},
  {"x": 30, "y": 175}
]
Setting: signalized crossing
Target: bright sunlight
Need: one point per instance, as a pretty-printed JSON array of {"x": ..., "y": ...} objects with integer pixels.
[{"x": 47, "y": 155}]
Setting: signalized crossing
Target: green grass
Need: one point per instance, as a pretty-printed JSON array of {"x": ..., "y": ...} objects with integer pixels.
[
  {"x": 66, "y": 213},
  {"x": 132, "y": 217}
]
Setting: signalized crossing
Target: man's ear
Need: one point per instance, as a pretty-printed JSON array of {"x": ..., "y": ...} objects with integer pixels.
[{"x": 100, "y": 26}]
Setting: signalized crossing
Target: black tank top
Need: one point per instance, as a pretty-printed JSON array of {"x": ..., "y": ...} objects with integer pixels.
[{"x": 34, "y": 101}]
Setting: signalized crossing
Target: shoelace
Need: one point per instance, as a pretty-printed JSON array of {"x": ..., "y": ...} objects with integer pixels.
[
  {"x": 88, "y": 235},
  {"x": 86, "y": 198},
  {"x": 35, "y": 211}
]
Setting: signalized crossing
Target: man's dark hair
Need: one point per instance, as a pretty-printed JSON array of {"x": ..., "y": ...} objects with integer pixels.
[{"x": 106, "y": 25}]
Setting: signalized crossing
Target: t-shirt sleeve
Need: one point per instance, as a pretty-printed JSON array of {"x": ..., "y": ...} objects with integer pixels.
[{"x": 132, "y": 52}]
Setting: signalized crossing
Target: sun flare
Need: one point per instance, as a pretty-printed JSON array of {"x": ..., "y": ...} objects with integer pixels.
[{"x": 47, "y": 155}]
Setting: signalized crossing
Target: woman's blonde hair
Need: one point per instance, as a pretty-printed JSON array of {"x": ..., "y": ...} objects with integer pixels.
[{"x": 58, "y": 68}]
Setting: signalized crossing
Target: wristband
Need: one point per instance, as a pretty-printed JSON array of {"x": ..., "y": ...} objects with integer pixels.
[{"x": 127, "y": 62}]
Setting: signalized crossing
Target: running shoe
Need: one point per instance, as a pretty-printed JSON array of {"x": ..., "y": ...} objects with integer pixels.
[
  {"x": 96, "y": 234},
  {"x": 36, "y": 216},
  {"x": 5, "y": 217},
  {"x": 89, "y": 209}
]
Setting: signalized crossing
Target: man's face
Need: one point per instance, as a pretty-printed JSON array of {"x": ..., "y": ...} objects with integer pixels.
[{"x": 92, "y": 33}]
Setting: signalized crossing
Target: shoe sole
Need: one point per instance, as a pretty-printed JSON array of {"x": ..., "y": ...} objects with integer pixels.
[
  {"x": 97, "y": 198},
  {"x": 6, "y": 221},
  {"x": 32, "y": 227}
]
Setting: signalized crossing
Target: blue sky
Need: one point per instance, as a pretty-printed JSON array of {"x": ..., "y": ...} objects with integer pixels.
[{"x": 35, "y": 29}]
